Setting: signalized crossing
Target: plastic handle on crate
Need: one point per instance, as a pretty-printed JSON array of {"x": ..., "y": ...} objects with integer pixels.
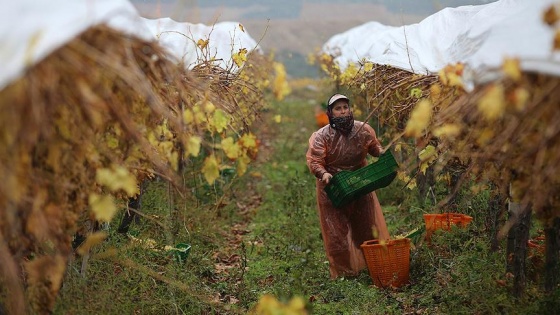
[{"x": 370, "y": 242}]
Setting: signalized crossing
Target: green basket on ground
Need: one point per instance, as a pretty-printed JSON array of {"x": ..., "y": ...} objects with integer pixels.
[
  {"x": 346, "y": 186},
  {"x": 180, "y": 252}
]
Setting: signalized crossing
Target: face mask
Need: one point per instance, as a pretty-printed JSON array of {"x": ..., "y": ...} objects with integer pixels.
[{"x": 343, "y": 124}]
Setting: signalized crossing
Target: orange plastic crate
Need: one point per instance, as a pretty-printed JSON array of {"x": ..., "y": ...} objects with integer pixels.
[
  {"x": 444, "y": 221},
  {"x": 388, "y": 264}
]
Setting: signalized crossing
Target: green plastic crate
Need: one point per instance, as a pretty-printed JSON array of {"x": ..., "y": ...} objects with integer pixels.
[{"x": 346, "y": 186}]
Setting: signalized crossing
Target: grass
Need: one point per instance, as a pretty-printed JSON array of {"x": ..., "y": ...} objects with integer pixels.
[{"x": 263, "y": 237}]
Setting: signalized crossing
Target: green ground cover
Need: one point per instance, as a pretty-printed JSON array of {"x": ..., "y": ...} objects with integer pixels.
[{"x": 259, "y": 234}]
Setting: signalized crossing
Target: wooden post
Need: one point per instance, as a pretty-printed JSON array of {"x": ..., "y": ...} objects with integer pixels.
[
  {"x": 496, "y": 208},
  {"x": 552, "y": 263},
  {"x": 520, "y": 252},
  {"x": 513, "y": 212}
]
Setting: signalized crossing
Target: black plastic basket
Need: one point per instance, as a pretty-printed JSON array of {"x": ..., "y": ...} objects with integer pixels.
[{"x": 346, "y": 186}]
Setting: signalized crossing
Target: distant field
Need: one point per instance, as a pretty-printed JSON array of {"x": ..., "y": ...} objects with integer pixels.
[{"x": 315, "y": 25}]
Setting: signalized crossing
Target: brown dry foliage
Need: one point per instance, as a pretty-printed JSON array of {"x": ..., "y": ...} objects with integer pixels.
[
  {"x": 520, "y": 148},
  {"x": 55, "y": 123}
]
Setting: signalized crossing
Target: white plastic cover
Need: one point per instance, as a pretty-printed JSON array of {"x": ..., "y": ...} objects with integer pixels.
[
  {"x": 479, "y": 36},
  {"x": 32, "y": 29}
]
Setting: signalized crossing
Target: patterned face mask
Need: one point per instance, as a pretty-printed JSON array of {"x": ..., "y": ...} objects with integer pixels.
[{"x": 343, "y": 124}]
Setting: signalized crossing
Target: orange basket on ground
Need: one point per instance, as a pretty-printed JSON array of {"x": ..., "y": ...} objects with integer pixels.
[
  {"x": 322, "y": 119},
  {"x": 388, "y": 263},
  {"x": 444, "y": 221}
]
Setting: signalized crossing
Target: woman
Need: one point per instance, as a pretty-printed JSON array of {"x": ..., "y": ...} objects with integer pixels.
[{"x": 343, "y": 144}]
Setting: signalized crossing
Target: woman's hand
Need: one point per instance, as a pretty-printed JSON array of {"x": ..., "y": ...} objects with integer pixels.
[{"x": 326, "y": 178}]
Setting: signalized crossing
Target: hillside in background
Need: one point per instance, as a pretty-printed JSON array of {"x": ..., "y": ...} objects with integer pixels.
[{"x": 295, "y": 28}]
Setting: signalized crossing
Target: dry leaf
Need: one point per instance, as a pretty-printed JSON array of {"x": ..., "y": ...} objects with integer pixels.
[
  {"x": 92, "y": 240},
  {"x": 103, "y": 207},
  {"x": 192, "y": 146},
  {"x": 231, "y": 148},
  {"x": 512, "y": 69},
  {"x": 202, "y": 43},
  {"x": 117, "y": 177},
  {"x": 550, "y": 15},
  {"x": 419, "y": 119},
  {"x": 492, "y": 105}
]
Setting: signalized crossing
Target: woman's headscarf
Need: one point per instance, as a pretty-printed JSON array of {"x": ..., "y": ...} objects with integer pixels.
[{"x": 343, "y": 124}]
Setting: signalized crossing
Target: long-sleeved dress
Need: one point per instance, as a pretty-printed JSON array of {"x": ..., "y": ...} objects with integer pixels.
[{"x": 344, "y": 229}]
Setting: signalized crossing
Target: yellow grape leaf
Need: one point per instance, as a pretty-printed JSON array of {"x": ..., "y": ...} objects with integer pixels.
[
  {"x": 192, "y": 146},
  {"x": 428, "y": 153},
  {"x": 297, "y": 305},
  {"x": 278, "y": 118},
  {"x": 231, "y": 149},
  {"x": 423, "y": 167},
  {"x": 240, "y": 57},
  {"x": 416, "y": 92},
  {"x": 402, "y": 176},
  {"x": 241, "y": 27},
  {"x": 248, "y": 141},
  {"x": 102, "y": 206},
  {"x": 152, "y": 139},
  {"x": 162, "y": 131},
  {"x": 492, "y": 105},
  {"x": 419, "y": 119},
  {"x": 211, "y": 169},
  {"x": 520, "y": 98},
  {"x": 454, "y": 80},
  {"x": 188, "y": 116},
  {"x": 280, "y": 85},
  {"x": 202, "y": 43},
  {"x": 199, "y": 115},
  {"x": 368, "y": 66},
  {"x": 412, "y": 184},
  {"x": 93, "y": 239},
  {"x": 451, "y": 75},
  {"x": 268, "y": 304},
  {"x": 435, "y": 92},
  {"x": 242, "y": 163},
  {"x": 448, "y": 130},
  {"x": 209, "y": 107},
  {"x": 117, "y": 177},
  {"x": 221, "y": 120},
  {"x": 427, "y": 156},
  {"x": 512, "y": 69}
]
